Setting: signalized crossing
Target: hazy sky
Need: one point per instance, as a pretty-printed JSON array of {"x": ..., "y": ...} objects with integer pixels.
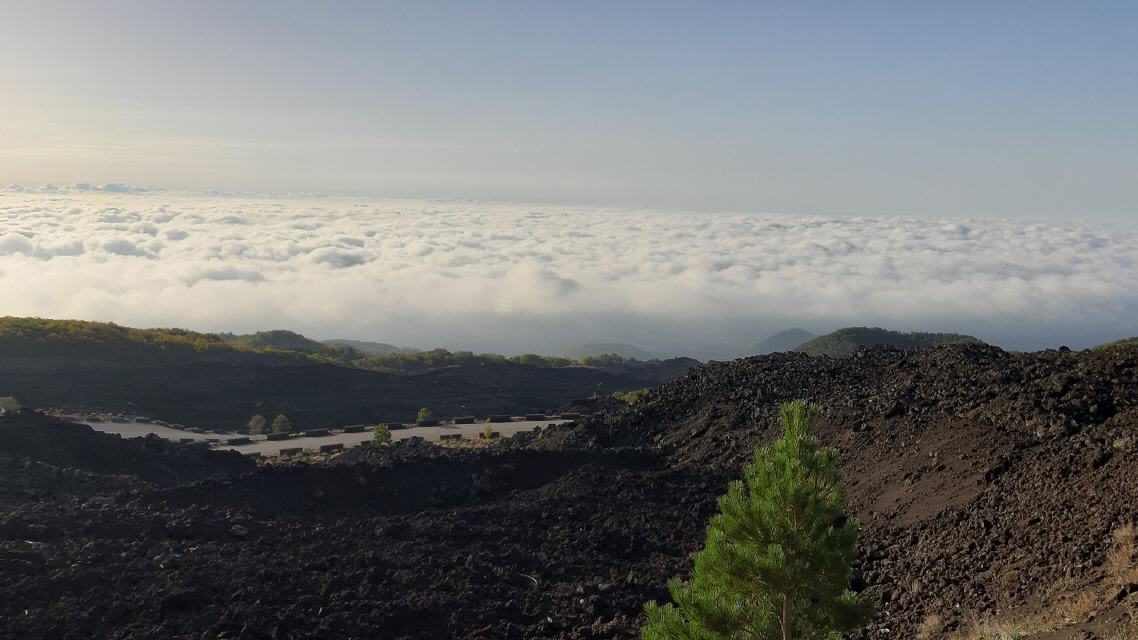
[{"x": 921, "y": 108}]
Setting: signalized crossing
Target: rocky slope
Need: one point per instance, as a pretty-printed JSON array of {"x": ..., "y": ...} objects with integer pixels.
[
  {"x": 985, "y": 481},
  {"x": 988, "y": 485}
]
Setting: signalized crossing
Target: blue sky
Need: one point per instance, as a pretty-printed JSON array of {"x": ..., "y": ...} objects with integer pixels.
[{"x": 969, "y": 109}]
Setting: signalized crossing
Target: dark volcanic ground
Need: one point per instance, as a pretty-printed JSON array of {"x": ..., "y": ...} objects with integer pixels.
[
  {"x": 987, "y": 483},
  {"x": 226, "y": 394}
]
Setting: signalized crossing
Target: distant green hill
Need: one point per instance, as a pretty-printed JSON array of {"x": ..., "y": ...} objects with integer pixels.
[
  {"x": 843, "y": 342},
  {"x": 280, "y": 340},
  {"x": 1125, "y": 342},
  {"x": 369, "y": 348},
  {"x": 39, "y": 332},
  {"x": 48, "y": 336},
  {"x": 47, "y": 343},
  {"x": 782, "y": 341}
]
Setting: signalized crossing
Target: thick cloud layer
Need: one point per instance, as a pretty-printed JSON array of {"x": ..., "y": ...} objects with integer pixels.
[{"x": 514, "y": 278}]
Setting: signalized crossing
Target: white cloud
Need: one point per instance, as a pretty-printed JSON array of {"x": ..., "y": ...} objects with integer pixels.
[
  {"x": 124, "y": 247},
  {"x": 512, "y": 277},
  {"x": 11, "y": 243},
  {"x": 228, "y": 273},
  {"x": 337, "y": 258}
]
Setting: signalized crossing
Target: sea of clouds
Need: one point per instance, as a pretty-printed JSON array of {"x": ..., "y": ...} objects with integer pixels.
[{"x": 539, "y": 278}]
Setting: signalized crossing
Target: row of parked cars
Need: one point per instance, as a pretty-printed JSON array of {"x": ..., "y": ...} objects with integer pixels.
[
  {"x": 359, "y": 428},
  {"x": 118, "y": 418},
  {"x": 226, "y": 438}
]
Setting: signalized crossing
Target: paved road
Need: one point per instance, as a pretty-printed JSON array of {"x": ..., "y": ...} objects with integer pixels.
[
  {"x": 139, "y": 429},
  {"x": 273, "y": 447}
]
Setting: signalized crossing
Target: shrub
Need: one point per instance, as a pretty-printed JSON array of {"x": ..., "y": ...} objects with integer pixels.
[
  {"x": 603, "y": 360},
  {"x": 488, "y": 432},
  {"x": 1122, "y": 556},
  {"x": 257, "y": 424},
  {"x": 931, "y": 628},
  {"x": 281, "y": 424},
  {"x": 381, "y": 434},
  {"x": 423, "y": 416},
  {"x": 9, "y": 404},
  {"x": 544, "y": 362},
  {"x": 776, "y": 562},
  {"x": 628, "y": 397}
]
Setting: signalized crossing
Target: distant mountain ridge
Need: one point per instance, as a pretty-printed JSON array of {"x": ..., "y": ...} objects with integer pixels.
[
  {"x": 108, "y": 344},
  {"x": 787, "y": 340},
  {"x": 213, "y": 380},
  {"x": 370, "y": 348},
  {"x": 626, "y": 351},
  {"x": 843, "y": 342}
]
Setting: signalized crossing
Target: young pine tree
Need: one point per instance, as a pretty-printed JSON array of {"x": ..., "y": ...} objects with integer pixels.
[
  {"x": 776, "y": 563},
  {"x": 381, "y": 434},
  {"x": 281, "y": 424}
]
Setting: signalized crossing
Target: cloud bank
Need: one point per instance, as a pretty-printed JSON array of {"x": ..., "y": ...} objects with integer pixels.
[{"x": 517, "y": 278}]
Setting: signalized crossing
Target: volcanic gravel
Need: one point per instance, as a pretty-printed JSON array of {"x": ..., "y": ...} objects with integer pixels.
[{"x": 984, "y": 481}]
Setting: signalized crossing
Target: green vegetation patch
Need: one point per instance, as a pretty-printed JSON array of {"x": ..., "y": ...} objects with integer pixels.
[
  {"x": 104, "y": 340},
  {"x": 1125, "y": 342},
  {"x": 628, "y": 397}
]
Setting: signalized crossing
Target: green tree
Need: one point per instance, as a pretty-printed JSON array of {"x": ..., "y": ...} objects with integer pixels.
[
  {"x": 603, "y": 360},
  {"x": 257, "y": 424},
  {"x": 776, "y": 562},
  {"x": 424, "y": 415},
  {"x": 381, "y": 434},
  {"x": 281, "y": 424},
  {"x": 9, "y": 404}
]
